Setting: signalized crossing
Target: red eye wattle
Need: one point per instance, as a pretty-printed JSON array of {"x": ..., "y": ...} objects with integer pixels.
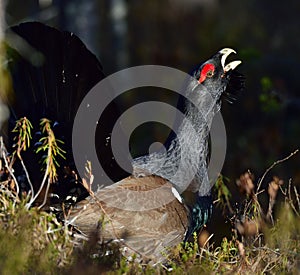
[{"x": 207, "y": 71}]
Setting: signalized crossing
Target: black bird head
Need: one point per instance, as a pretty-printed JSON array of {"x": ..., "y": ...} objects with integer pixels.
[{"x": 218, "y": 77}]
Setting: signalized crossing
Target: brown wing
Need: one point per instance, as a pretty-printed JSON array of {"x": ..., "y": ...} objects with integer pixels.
[{"x": 143, "y": 212}]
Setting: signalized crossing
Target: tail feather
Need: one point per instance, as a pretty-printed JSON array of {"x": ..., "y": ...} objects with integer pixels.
[
  {"x": 51, "y": 72},
  {"x": 55, "y": 77}
]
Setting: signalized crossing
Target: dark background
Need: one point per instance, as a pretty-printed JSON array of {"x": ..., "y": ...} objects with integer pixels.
[{"x": 263, "y": 125}]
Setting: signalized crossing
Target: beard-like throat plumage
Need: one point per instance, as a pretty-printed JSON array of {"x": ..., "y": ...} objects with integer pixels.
[{"x": 184, "y": 160}]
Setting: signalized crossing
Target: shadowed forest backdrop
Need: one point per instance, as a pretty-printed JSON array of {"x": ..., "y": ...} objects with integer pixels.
[{"x": 263, "y": 125}]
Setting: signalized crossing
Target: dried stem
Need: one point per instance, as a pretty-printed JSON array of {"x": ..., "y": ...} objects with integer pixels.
[
  {"x": 46, "y": 194},
  {"x": 297, "y": 198},
  {"x": 46, "y": 174},
  {"x": 273, "y": 165},
  {"x": 27, "y": 176},
  {"x": 4, "y": 153}
]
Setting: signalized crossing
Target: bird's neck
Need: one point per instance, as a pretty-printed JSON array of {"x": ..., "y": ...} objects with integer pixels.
[{"x": 184, "y": 161}]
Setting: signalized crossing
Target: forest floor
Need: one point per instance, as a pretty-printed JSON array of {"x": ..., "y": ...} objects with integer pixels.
[{"x": 34, "y": 241}]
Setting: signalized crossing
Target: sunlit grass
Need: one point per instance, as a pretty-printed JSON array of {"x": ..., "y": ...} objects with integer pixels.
[{"x": 31, "y": 241}]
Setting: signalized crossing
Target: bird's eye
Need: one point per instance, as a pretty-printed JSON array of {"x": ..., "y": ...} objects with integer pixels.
[{"x": 210, "y": 73}]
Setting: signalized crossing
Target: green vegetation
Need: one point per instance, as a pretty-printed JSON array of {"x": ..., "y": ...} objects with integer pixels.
[
  {"x": 31, "y": 241},
  {"x": 35, "y": 241}
]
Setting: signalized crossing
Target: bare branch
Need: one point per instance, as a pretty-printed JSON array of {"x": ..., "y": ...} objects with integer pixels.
[{"x": 273, "y": 165}]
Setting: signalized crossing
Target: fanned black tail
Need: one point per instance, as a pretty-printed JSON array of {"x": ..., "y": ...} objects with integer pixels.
[{"x": 51, "y": 73}]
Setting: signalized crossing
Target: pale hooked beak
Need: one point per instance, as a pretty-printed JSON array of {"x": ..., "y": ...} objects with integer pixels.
[{"x": 232, "y": 65}]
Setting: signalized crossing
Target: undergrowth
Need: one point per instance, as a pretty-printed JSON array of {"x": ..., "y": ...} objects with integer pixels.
[{"x": 33, "y": 241}]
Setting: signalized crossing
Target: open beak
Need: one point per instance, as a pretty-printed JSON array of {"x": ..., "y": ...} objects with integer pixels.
[{"x": 232, "y": 65}]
